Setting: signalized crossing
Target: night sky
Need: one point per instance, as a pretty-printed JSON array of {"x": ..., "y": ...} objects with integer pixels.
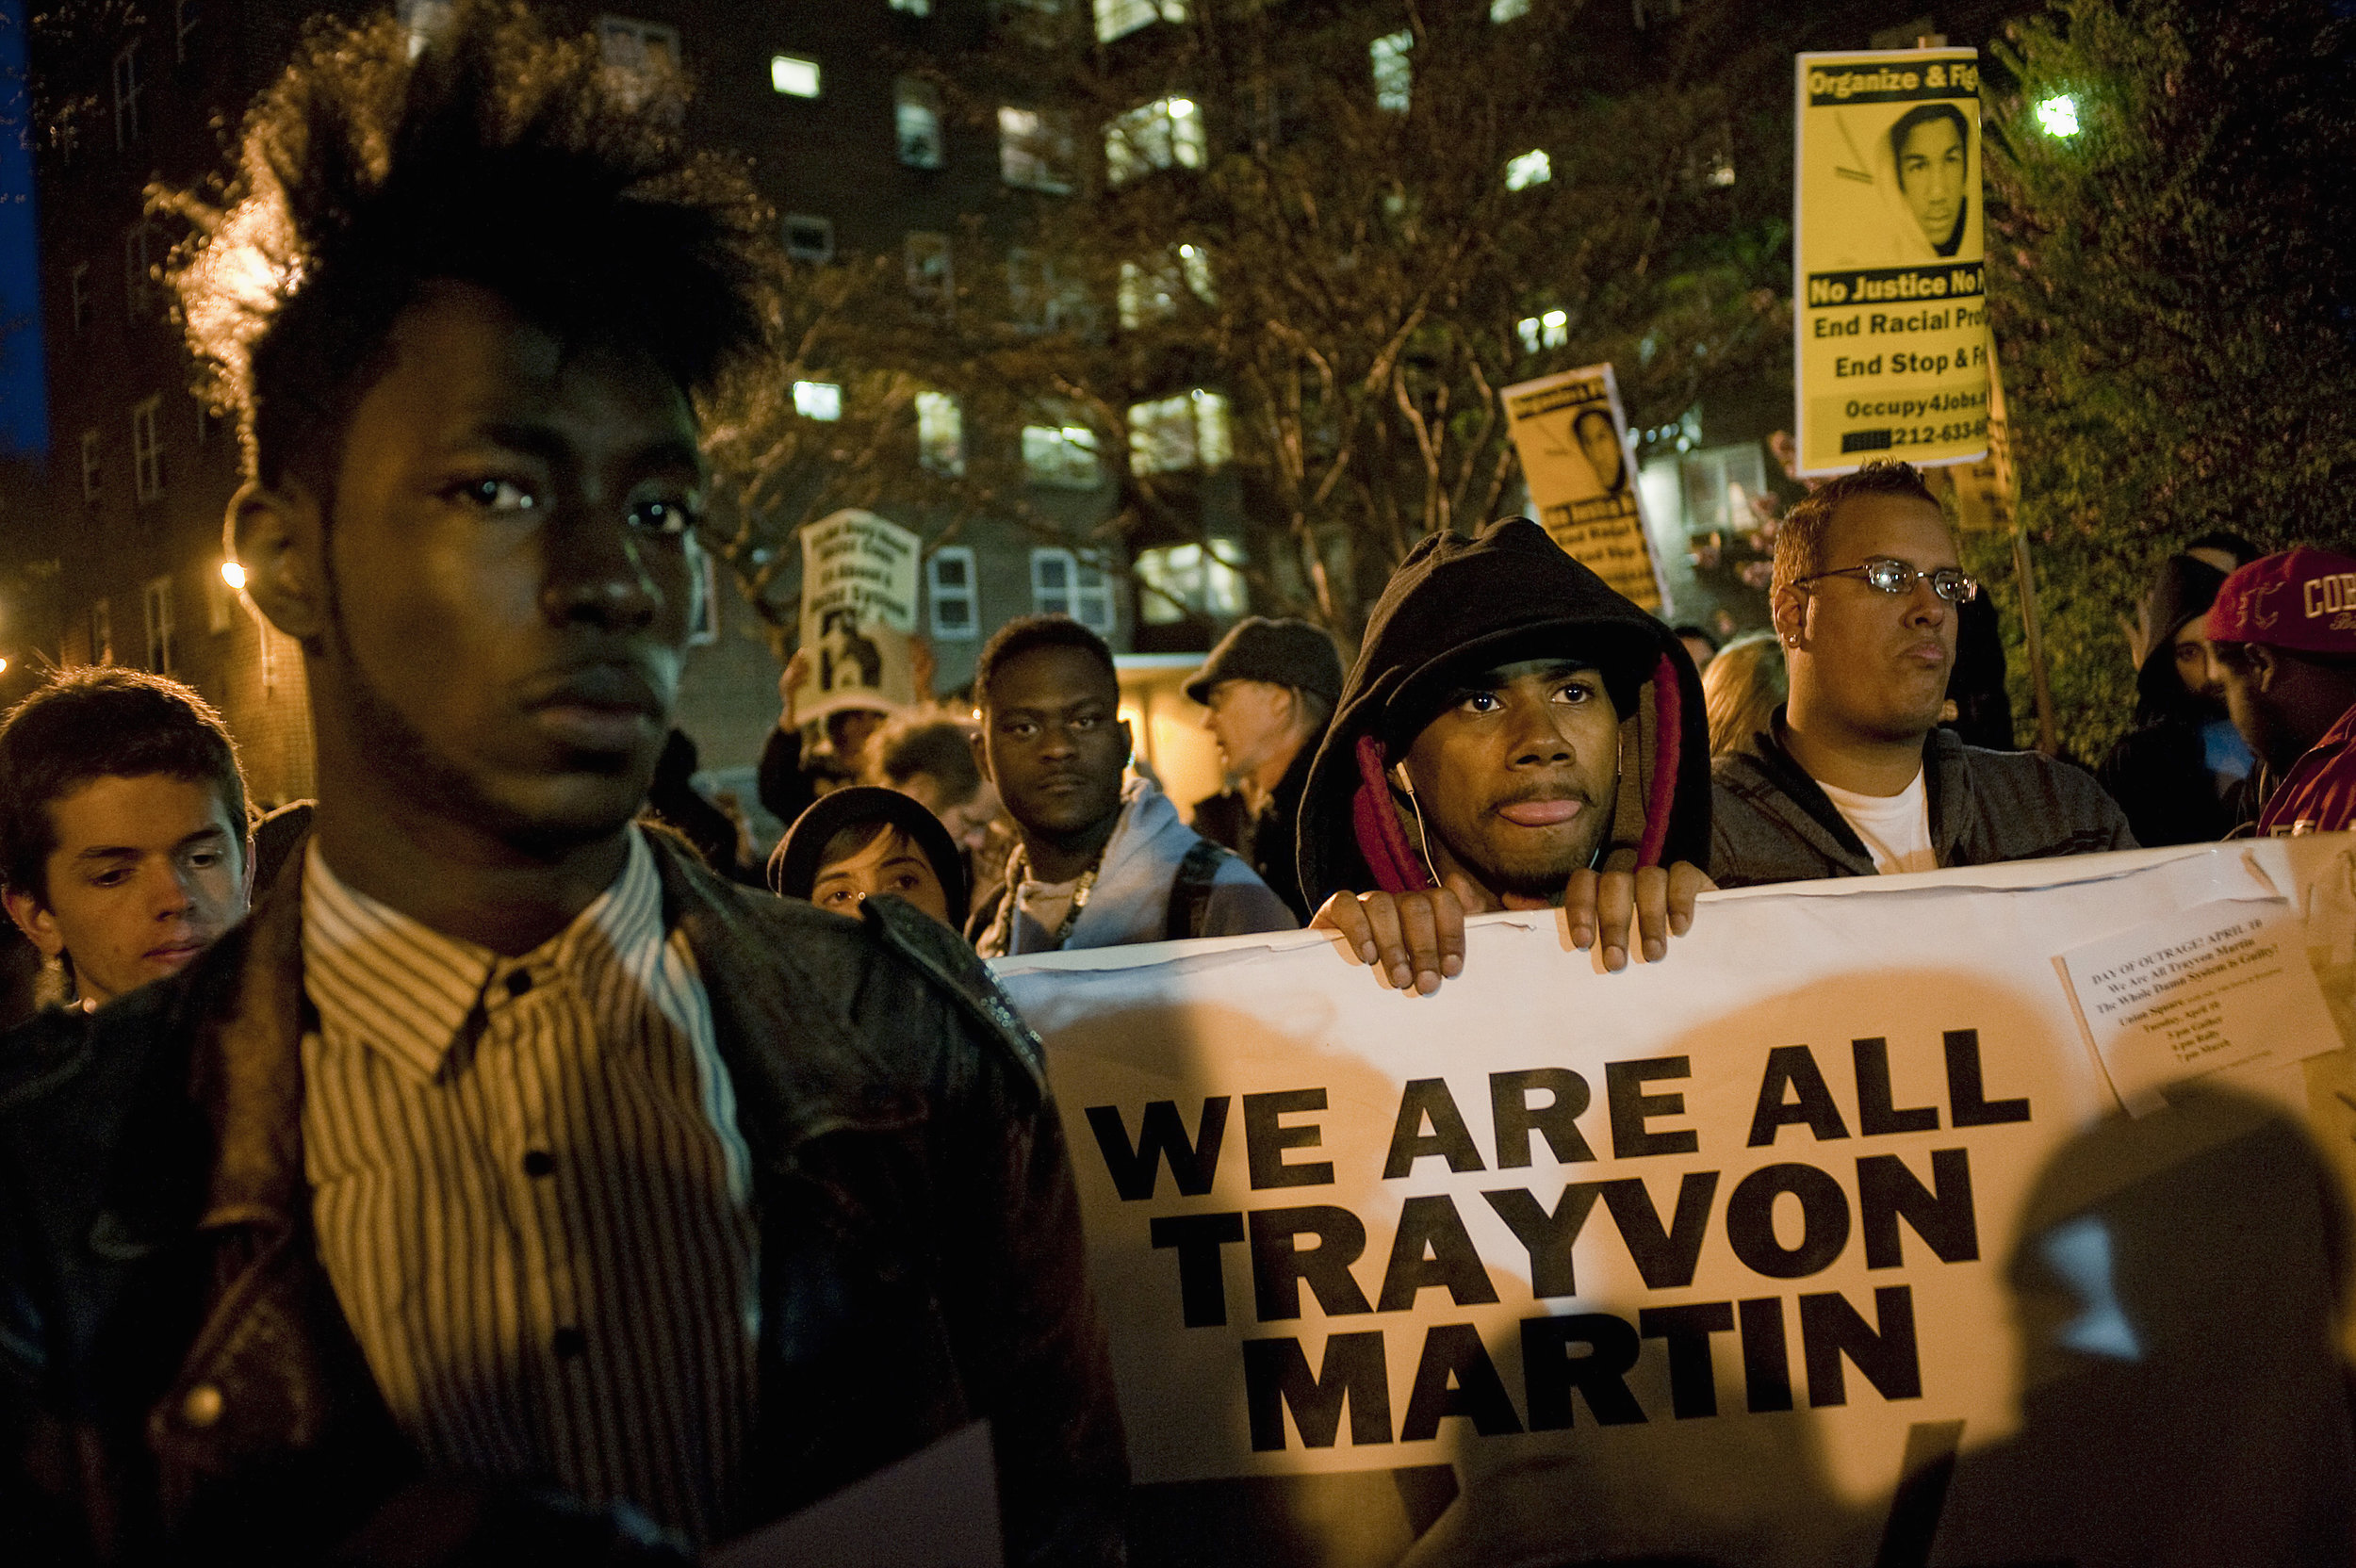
[{"x": 23, "y": 402}]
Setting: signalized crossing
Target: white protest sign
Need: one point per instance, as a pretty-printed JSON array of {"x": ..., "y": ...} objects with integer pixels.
[
  {"x": 1572, "y": 438},
  {"x": 2219, "y": 988},
  {"x": 1889, "y": 319},
  {"x": 1690, "y": 1257},
  {"x": 859, "y": 610}
]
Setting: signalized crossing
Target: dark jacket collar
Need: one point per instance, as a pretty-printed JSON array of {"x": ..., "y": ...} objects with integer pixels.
[
  {"x": 193, "y": 1087},
  {"x": 1943, "y": 768}
]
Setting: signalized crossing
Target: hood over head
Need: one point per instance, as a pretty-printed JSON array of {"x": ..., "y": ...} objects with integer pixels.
[
  {"x": 2182, "y": 594},
  {"x": 1458, "y": 604}
]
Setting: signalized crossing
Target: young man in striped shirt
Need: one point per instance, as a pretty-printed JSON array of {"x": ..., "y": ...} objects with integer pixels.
[{"x": 506, "y": 1181}]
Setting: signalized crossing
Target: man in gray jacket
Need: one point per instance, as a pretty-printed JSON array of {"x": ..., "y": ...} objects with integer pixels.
[
  {"x": 1854, "y": 776},
  {"x": 1101, "y": 861}
]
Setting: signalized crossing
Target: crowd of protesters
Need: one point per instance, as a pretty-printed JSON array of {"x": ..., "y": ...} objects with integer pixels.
[{"x": 784, "y": 1160}]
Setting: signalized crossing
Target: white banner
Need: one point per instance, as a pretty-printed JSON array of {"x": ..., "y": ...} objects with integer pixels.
[{"x": 1707, "y": 1256}]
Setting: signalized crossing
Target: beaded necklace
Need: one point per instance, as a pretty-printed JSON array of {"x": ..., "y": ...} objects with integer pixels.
[{"x": 1080, "y": 890}]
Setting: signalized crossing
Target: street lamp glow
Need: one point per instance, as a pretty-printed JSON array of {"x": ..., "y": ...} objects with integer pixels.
[
  {"x": 232, "y": 574},
  {"x": 2057, "y": 116}
]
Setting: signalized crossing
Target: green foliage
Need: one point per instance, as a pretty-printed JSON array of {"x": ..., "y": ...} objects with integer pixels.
[{"x": 2173, "y": 305}]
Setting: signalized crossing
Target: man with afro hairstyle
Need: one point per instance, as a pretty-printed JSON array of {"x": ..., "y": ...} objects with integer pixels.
[{"x": 508, "y": 1188}]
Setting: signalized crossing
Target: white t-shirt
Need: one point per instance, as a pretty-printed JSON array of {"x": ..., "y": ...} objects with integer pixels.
[{"x": 1896, "y": 828}]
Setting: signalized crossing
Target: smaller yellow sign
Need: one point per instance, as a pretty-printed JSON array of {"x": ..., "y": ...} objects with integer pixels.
[{"x": 1572, "y": 438}]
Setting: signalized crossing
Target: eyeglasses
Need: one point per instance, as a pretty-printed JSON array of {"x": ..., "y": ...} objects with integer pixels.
[{"x": 1895, "y": 576}]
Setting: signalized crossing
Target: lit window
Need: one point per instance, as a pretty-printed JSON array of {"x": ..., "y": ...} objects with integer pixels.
[
  {"x": 703, "y": 627},
  {"x": 129, "y": 90},
  {"x": 1506, "y": 10},
  {"x": 1531, "y": 167},
  {"x": 793, "y": 76},
  {"x": 817, "y": 399},
  {"x": 949, "y": 583},
  {"x": 1035, "y": 150},
  {"x": 161, "y": 643},
  {"x": 1063, "y": 584},
  {"x": 92, "y": 468},
  {"x": 220, "y": 597},
  {"x": 424, "y": 20},
  {"x": 1042, "y": 299},
  {"x": 641, "y": 55},
  {"x": 1061, "y": 456},
  {"x": 914, "y": 8},
  {"x": 147, "y": 450},
  {"x": 916, "y": 118},
  {"x": 1164, "y": 133},
  {"x": 808, "y": 238},
  {"x": 1147, "y": 294},
  {"x": 925, "y": 256},
  {"x": 1120, "y": 18},
  {"x": 1179, "y": 579},
  {"x": 1194, "y": 263},
  {"x": 940, "y": 433},
  {"x": 1188, "y": 430},
  {"x": 1393, "y": 71},
  {"x": 1551, "y": 331},
  {"x": 141, "y": 290}
]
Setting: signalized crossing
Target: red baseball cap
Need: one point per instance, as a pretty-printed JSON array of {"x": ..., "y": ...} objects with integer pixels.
[{"x": 2302, "y": 599}]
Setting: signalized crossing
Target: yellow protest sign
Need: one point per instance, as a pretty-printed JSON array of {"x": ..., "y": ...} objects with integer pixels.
[
  {"x": 1572, "y": 438},
  {"x": 1889, "y": 316}
]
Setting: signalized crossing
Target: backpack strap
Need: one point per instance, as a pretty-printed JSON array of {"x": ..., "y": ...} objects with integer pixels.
[{"x": 1190, "y": 890}]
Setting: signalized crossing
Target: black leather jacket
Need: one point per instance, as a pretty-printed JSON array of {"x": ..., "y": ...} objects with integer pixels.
[{"x": 178, "y": 1384}]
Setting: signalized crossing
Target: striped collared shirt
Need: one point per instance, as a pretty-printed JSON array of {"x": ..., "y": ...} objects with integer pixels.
[{"x": 532, "y": 1196}]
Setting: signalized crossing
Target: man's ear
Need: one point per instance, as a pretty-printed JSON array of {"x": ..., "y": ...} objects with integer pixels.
[
  {"x": 981, "y": 755},
  {"x": 1788, "y": 614},
  {"x": 33, "y": 918},
  {"x": 278, "y": 538},
  {"x": 2262, "y": 665}
]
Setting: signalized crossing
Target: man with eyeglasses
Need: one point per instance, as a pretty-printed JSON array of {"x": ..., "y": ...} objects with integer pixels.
[{"x": 1853, "y": 776}]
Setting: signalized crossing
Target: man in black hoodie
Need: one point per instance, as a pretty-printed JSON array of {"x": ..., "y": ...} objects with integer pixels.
[{"x": 1514, "y": 735}]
